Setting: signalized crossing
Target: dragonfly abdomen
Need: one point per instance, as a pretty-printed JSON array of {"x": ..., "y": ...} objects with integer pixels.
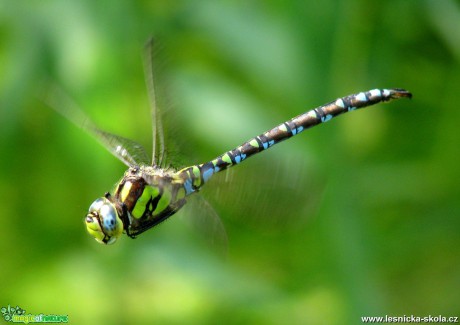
[
  {"x": 304, "y": 121},
  {"x": 197, "y": 175}
]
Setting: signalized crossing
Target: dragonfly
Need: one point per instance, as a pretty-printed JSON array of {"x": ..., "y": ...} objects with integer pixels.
[{"x": 151, "y": 192}]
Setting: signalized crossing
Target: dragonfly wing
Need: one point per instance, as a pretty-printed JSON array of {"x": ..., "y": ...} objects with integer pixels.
[
  {"x": 169, "y": 146},
  {"x": 158, "y": 150},
  {"x": 203, "y": 219},
  {"x": 129, "y": 152},
  {"x": 268, "y": 197}
]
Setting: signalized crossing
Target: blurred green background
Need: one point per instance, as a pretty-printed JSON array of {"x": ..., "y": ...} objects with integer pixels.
[{"x": 358, "y": 217}]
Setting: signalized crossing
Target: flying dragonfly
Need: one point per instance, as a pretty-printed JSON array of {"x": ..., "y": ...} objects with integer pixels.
[{"x": 151, "y": 192}]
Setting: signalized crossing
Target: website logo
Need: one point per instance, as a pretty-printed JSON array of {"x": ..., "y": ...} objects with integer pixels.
[{"x": 18, "y": 315}]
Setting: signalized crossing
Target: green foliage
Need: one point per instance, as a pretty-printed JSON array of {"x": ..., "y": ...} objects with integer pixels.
[{"x": 366, "y": 218}]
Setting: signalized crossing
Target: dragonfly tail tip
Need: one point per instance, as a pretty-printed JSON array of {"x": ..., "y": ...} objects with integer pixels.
[{"x": 400, "y": 93}]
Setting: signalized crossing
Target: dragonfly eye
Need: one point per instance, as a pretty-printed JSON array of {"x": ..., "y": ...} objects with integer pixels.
[{"x": 103, "y": 222}]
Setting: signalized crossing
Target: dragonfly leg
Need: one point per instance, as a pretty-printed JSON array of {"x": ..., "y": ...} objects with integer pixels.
[{"x": 125, "y": 219}]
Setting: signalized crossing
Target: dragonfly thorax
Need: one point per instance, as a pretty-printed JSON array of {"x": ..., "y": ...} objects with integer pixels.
[{"x": 143, "y": 198}]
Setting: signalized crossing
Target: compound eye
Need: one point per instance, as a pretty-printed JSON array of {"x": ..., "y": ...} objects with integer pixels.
[
  {"x": 108, "y": 217},
  {"x": 96, "y": 205},
  {"x": 103, "y": 222}
]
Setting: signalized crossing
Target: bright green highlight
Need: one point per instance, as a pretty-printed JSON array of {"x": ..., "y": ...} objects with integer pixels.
[
  {"x": 164, "y": 201},
  {"x": 141, "y": 204},
  {"x": 254, "y": 143},
  {"x": 226, "y": 158},
  {"x": 196, "y": 176}
]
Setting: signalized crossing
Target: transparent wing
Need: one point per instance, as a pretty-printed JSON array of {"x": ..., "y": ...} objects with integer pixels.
[
  {"x": 279, "y": 196},
  {"x": 170, "y": 147},
  {"x": 205, "y": 221},
  {"x": 158, "y": 150},
  {"x": 129, "y": 152}
]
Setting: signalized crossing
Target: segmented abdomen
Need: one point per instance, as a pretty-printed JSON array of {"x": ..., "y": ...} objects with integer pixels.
[{"x": 199, "y": 174}]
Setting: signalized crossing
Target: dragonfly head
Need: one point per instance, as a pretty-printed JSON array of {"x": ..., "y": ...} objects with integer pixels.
[{"x": 103, "y": 221}]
